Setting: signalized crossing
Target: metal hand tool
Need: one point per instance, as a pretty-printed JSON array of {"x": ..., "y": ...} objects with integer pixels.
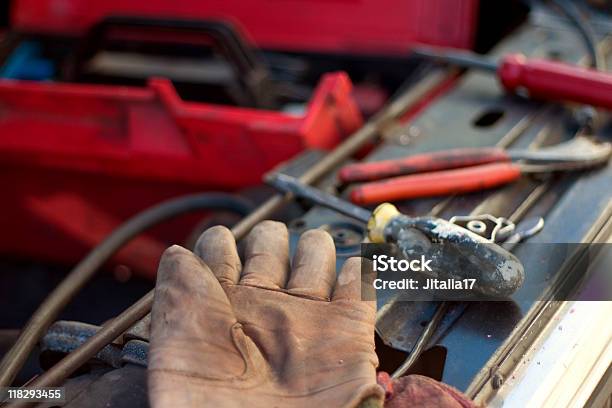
[
  {"x": 523, "y": 231},
  {"x": 494, "y": 229},
  {"x": 541, "y": 78},
  {"x": 576, "y": 153},
  {"x": 498, "y": 272},
  {"x": 483, "y": 168}
]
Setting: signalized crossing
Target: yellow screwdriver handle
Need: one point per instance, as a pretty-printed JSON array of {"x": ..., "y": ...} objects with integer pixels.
[{"x": 381, "y": 216}]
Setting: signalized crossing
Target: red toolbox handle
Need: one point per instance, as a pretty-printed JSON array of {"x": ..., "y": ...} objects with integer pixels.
[{"x": 251, "y": 72}]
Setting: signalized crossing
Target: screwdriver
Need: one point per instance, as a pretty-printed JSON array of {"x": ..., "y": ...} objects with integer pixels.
[
  {"x": 498, "y": 273},
  {"x": 542, "y": 78}
]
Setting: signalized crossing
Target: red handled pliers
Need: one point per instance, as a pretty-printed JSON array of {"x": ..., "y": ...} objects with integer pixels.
[{"x": 464, "y": 170}]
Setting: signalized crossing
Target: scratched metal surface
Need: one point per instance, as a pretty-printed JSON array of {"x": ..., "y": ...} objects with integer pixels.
[{"x": 572, "y": 206}]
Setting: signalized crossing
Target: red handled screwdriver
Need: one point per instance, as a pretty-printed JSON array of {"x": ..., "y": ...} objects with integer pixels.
[{"x": 541, "y": 78}]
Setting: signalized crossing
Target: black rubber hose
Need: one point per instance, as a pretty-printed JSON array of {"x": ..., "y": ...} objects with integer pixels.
[
  {"x": 48, "y": 311},
  {"x": 583, "y": 26},
  {"x": 587, "y": 118}
]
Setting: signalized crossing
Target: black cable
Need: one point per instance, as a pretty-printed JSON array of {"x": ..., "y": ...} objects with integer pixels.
[
  {"x": 587, "y": 117},
  {"x": 571, "y": 10},
  {"x": 48, "y": 311}
]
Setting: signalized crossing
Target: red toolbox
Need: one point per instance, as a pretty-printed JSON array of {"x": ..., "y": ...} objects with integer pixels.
[
  {"x": 151, "y": 134},
  {"x": 332, "y": 26},
  {"x": 77, "y": 159}
]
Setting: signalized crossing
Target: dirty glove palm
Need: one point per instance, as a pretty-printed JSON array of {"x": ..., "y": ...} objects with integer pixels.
[{"x": 260, "y": 335}]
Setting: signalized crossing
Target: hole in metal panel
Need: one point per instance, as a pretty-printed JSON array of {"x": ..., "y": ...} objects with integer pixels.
[{"x": 488, "y": 118}]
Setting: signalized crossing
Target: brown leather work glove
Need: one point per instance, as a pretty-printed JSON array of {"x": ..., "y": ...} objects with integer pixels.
[{"x": 262, "y": 334}]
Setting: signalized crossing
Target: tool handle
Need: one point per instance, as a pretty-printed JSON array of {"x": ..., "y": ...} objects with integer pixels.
[
  {"x": 421, "y": 163},
  {"x": 436, "y": 183},
  {"x": 556, "y": 81},
  {"x": 459, "y": 253}
]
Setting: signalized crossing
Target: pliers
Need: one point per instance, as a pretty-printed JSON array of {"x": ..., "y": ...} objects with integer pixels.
[{"x": 465, "y": 169}]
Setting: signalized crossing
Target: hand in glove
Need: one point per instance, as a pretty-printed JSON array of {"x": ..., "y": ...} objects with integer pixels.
[{"x": 261, "y": 334}]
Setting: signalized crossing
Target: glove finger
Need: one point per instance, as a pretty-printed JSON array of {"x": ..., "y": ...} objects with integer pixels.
[
  {"x": 192, "y": 319},
  {"x": 266, "y": 256},
  {"x": 314, "y": 265},
  {"x": 348, "y": 284},
  {"x": 217, "y": 248}
]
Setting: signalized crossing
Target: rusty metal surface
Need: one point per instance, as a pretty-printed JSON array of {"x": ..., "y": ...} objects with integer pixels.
[{"x": 476, "y": 113}]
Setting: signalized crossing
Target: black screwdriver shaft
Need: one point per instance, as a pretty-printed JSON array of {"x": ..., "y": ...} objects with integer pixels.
[
  {"x": 459, "y": 58},
  {"x": 290, "y": 184}
]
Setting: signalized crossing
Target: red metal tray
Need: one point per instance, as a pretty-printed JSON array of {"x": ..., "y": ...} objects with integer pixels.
[
  {"x": 76, "y": 160},
  {"x": 335, "y": 26}
]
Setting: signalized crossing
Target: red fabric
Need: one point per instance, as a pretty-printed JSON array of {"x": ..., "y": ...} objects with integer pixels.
[{"x": 420, "y": 391}]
